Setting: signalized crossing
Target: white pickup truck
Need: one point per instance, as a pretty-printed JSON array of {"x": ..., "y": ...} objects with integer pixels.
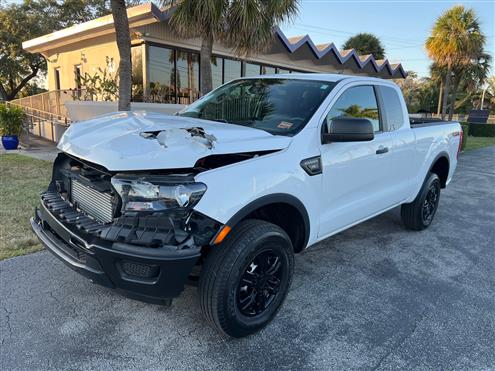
[{"x": 224, "y": 194}]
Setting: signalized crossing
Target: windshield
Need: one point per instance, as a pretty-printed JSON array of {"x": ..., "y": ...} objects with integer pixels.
[{"x": 278, "y": 106}]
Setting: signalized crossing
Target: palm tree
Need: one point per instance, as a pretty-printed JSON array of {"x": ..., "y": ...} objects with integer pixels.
[
  {"x": 471, "y": 77},
  {"x": 490, "y": 89},
  {"x": 455, "y": 40},
  {"x": 245, "y": 25},
  {"x": 123, "y": 37},
  {"x": 437, "y": 74},
  {"x": 366, "y": 43}
]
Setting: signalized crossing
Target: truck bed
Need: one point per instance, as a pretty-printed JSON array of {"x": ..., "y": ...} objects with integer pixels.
[{"x": 425, "y": 122}]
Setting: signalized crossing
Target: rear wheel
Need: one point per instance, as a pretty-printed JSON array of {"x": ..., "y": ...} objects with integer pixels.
[
  {"x": 419, "y": 214},
  {"x": 245, "y": 280}
]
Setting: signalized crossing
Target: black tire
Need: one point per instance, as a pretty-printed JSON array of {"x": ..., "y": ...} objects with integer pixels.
[
  {"x": 232, "y": 277},
  {"x": 419, "y": 214}
]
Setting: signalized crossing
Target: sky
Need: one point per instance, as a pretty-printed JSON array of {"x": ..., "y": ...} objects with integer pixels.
[{"x": 401, "y": 25}]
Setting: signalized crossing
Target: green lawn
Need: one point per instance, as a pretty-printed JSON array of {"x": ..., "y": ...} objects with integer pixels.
[
  {"x": 21, "y": 180},
  {"x": 479, "y": 142}
]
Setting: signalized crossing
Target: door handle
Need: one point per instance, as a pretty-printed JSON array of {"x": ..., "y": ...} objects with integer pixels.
[{"x": 381, "y": 150}]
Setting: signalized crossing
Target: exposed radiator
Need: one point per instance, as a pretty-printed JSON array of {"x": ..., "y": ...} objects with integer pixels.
[{"x": 96, "y": 204}]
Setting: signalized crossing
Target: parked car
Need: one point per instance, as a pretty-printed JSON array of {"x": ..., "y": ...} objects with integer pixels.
[{"x": 224, "y": 194}]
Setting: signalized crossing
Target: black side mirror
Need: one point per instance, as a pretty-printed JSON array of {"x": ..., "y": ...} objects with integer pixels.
[{"x": 348, "y": 129}]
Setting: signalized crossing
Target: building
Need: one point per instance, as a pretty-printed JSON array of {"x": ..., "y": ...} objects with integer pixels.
[{"x": 166, "y": 67}]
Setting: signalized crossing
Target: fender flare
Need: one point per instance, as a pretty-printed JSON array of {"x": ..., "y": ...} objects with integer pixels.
[
  {"x": 437, "y": 157},
  {"x": 276, "y": 198}
]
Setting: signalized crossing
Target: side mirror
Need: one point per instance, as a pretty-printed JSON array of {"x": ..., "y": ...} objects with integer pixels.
[{"x": 348, "y": 129}]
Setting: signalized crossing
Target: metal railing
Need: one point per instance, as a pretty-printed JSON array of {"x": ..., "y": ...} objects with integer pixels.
[
  {"x": 52, "y": 102},
  {"x": 49, "y": 123}
]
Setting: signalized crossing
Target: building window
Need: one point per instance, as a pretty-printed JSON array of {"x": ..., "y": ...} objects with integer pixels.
[
  {"x": 267, "y": 70},
  {"x": 216, "y": 71},
  {"x": 173, "y": 75},
  {"x": 161, "y": 66},
  {"x": 251, "y": 69},
  {"x": 232, "y": 70},
  {"x": 77, "y": 80},
  {"x": 137, "y": 73},
  {"x": 77, "y": 76},
  {"x": 57, "y": 78},
  {"x": 187, "y": 82}
]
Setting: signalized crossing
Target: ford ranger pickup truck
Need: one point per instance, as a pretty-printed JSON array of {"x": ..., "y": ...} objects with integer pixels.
[{"x": 223, "y": 194}]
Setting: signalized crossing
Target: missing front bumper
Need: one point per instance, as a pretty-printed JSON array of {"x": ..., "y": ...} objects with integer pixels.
[{"x": 149, "y": 274}]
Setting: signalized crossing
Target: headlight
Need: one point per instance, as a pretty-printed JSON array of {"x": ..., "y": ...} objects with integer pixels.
[{"x": 155, "y": 194}]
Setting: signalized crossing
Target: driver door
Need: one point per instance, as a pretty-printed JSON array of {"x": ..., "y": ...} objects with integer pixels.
[{"x": 354, "y": 173}]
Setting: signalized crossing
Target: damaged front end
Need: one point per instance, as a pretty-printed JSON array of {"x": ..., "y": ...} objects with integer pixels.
[
  {"x": 151, "y": 210},
  {"x": 135, "y": 232},
  {"x": 181, "y": 136}
]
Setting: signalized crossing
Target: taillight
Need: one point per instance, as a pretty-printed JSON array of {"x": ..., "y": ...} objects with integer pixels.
[{"x": 461, "y": 136}]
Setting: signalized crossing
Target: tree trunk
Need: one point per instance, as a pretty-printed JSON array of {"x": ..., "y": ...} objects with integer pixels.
[
  {"x": 15, "y": 89},
  {"x": 439, "y": 106},
  {"x": 123, "y": 37},
  {"x": 446, "y": 93},
  {"x": 206, "y": 81},
  {"x": 453, "y": 99},
  {"x": 3, "y": 93}
]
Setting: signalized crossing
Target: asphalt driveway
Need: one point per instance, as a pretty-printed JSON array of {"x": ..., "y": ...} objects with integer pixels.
[{"x": 373, "y": 297}]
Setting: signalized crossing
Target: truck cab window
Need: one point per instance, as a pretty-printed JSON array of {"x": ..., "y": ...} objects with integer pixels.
[
  {"x": 392, "y": 108},
  {"x": 360, "y": 102}
]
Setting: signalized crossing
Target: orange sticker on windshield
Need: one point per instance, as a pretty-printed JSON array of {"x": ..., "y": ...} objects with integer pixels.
[{"x": 285, "y": 125}]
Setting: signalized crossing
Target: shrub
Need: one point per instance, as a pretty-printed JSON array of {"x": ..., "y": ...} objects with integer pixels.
[
  {"x": 102, "y": 85},
  {"x": 11, "y": 119},
  {"x": 465, "y": 132},
  {"x": 482, "y": 130}
]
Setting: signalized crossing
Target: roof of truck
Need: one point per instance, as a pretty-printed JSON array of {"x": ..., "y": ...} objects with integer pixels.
[{"x": 331, "y": 77}]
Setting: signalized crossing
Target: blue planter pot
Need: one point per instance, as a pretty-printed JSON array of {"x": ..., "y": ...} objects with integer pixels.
[{"x": 10, "y": 141}]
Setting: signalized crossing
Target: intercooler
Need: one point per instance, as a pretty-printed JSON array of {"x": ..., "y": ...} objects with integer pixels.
[{"x": 94, "y": 203}]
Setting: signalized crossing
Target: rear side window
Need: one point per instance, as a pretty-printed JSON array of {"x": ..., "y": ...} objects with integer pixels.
[
  {"x": 392, "y": 108},
  {"x": 360, "y": 102}
]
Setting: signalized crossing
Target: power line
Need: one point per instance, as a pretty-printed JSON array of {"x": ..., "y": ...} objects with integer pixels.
[
  {"x": 389, "y": 38},
  {"x": 405, "y": 47},
  {"x": 393, "y": 1}
]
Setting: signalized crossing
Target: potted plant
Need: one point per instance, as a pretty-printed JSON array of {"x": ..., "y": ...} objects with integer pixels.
[{"x": 11, "y": 119}]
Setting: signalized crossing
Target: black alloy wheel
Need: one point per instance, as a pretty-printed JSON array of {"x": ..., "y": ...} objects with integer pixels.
[
  {"x": 430, "y": 203},
  {"x": 419, "y": 214},
  {"x": 260, "y": 283},
  {"x": 245, "y": 280}
]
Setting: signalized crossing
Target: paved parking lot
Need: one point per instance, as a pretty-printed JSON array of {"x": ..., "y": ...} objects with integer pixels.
[{"x": 373, "y": 297}]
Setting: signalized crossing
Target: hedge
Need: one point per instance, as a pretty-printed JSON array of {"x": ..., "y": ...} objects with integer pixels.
[
  {"x": 482, "y": 130},
  {"x": 465, "y": 132}
]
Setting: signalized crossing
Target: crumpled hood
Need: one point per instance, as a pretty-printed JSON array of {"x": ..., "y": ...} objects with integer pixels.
[{"x": 127, "y": 141}]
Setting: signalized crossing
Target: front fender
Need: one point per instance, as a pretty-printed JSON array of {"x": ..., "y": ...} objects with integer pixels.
[{"x": 235, "y": 189}]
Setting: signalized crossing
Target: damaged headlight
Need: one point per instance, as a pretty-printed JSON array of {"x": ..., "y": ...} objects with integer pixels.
[{"x": 152, "y": 194}]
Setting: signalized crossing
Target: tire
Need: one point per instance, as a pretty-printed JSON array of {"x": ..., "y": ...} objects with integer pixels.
[
  {"x": 419, "y": 214},
  {"x": 232, "y": 284}
]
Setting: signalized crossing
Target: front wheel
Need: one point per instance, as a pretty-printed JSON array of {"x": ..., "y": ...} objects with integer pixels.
[
  {"x": 419, "y": 214},
  {"x": 245, "y": 280}
]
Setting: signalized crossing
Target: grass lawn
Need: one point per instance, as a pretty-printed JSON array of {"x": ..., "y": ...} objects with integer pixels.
[
  {"x": 479, "y": 142},
  {"x": 21, "y": 180}
]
